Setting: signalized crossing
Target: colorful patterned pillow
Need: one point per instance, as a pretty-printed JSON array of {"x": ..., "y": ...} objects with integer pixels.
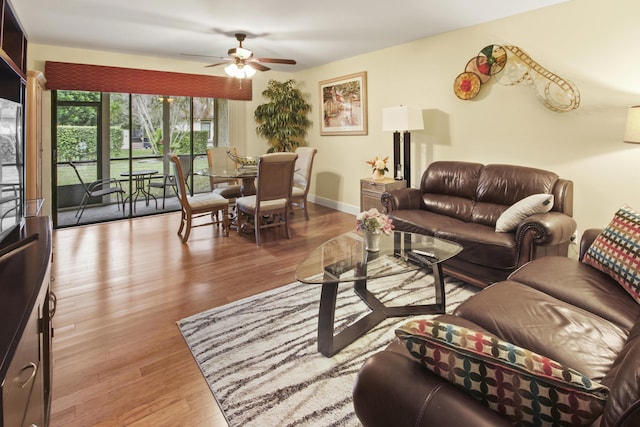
[
  {"x": 527, "y": 388},
  {"x": 616, "y": 250}
]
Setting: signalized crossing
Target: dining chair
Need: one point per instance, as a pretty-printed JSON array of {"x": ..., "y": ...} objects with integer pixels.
[
  {"x": 98, "y": 188},
  {"x": 185, "y": 163},
  {"x": 269, "y": 207},
  {"x": 229, "y": 188},
  {"x": 302, "y": 178},
  {"x": 198, "y": 205}
]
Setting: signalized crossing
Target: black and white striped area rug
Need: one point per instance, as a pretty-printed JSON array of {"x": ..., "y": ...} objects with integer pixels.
[{"x": 259, "y": 355}]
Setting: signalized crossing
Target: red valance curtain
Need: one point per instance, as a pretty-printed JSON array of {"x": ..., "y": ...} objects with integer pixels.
[{"x": 97, "y": 78}]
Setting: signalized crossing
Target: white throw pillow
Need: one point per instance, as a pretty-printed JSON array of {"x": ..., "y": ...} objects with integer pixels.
[{"x": 536, "y": 203}]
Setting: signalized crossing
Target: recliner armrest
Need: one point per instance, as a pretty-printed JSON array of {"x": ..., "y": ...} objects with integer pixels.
[
  {"x": 394, "y": 390},
  {"x": 588, "y": 236},
  {"x": 402, "y": 198}
]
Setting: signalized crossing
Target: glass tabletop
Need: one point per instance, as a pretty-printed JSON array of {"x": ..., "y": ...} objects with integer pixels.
[
  {"x": 344, "y": 258},
  {"x": 248, "y": 172}
]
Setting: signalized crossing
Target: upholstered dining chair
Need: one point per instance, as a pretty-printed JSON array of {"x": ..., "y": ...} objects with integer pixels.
[
  {"x": 229, "y": 188},
  {"x": 198, "y": 205},
  {"x": 269, "y": 207},
  {"x": 302, "y": 178}
]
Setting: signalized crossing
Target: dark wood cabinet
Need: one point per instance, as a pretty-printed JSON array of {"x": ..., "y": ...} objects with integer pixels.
[
  {"x": 26, "y": 303},
  {"x": 13, "y": 39},
  {"x": 26, "y": 308},
  {"x": 13, "y": 55}
]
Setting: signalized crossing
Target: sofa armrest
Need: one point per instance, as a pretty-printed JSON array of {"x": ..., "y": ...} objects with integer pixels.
[
  {"x": 402, "y": 198},
  {"x": 588, "y": 236},
  {"x": 545, "y": 229}
]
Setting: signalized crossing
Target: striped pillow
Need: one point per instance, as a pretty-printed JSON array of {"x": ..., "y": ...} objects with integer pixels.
[
  {"x": 527, "y": 388},
  {"x": 616, "y": 250}
]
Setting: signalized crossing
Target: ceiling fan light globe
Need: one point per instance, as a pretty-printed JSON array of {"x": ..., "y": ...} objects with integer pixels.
[
  {"x": 249, "y": 71},
  {"x": 231, "y": 70}
]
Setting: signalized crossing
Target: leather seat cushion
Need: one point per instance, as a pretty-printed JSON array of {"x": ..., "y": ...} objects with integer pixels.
[
  {"x": 581, "y": 285},
  {"x": 481, "y": 244},
  {"x": 527, "y": 317}
]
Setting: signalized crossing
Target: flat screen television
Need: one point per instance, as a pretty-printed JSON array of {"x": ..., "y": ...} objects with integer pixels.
[{"x": 12, "y": 194}]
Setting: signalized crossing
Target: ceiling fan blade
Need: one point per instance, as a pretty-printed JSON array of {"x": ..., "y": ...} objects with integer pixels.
[
  {"x": 277, "y": 61},
  {"x": 216, "y": 64},
  {"x": 203, "y": 56},
  {"x": 241, "y": 56},
  {"x": 258, "y": 66}
]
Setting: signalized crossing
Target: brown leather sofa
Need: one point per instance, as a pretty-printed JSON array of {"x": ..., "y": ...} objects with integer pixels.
[
  {"x": 461, "y": 201},
  {"x": 558, "y": 307}
]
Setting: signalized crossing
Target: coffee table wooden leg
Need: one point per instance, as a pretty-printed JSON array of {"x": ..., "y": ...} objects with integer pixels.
[
  {"x": 438, "y": 282},
  {"x": 326, "y": 318},
  {"x": 328, "y": 343}
]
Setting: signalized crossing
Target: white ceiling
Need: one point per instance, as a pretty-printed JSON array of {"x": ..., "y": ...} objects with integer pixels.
[{"x": 311, "y": 32}]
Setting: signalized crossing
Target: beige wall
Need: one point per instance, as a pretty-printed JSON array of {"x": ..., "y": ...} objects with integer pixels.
[{"x": 592, "y": 43}]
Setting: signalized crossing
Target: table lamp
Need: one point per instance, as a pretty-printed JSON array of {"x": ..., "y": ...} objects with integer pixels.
[
  {"x": 632, "y": 130},
  {"x": 398, "y": 119}
]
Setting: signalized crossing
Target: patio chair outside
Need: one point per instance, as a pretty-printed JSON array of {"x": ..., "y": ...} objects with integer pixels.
[{"x": 98, "y": 188}]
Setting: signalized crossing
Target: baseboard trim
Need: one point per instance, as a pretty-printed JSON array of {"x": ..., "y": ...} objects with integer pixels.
[{"x": 342, "y": 207}]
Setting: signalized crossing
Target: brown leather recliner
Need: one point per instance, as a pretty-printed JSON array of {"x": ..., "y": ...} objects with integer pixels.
[
  {"x": 555, "y": 306},
  {"x": 461, "y": 201}
]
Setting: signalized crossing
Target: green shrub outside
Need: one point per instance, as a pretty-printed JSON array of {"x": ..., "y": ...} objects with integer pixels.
[{"x": 79, "y": 142}]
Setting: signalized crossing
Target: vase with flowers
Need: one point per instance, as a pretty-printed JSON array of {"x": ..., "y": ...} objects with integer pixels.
[
  {"x": 373, "y": 224},
  {"x": 379, "y": 167}
]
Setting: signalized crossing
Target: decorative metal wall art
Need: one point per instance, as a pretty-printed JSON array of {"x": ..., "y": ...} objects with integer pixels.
[{"x": 510, "y": 65}]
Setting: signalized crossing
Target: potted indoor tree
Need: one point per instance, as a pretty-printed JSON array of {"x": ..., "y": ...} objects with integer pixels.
[{"x": 283, "y": 120}]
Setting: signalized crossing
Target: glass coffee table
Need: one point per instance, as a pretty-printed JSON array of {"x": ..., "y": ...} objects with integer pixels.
[{"x": 344, "y": 259}]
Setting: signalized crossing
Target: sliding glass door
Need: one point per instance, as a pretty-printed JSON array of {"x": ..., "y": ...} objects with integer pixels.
[{"x": 106, "y": 140}]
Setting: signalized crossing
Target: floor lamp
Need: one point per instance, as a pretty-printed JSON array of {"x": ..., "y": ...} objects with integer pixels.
[{"x": 404, "y": 119}]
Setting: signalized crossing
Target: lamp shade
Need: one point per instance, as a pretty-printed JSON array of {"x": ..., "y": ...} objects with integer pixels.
[
  {"x": 632, "y": 130},
  {"x": 401, "y": 118}
]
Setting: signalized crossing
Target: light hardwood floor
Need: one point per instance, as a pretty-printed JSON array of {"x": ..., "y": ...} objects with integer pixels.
[{"x": 119, "y": 358}]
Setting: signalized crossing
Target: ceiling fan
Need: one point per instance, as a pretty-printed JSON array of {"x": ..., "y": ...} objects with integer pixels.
[{"x": 243, "y": 64}]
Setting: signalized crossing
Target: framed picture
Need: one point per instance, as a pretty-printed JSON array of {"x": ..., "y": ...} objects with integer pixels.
[{"x": 344, "y": 105}]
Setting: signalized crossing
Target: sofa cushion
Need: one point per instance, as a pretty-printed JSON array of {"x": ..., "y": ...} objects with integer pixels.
[
  {"x": 500, "y": 186},
  {"x": 561, "y": 331},
  {"x": 481, "y": 245},
  {"x": 536, "y": 203},
  {"x": 582, "y": 286},
  {"x": 526, "y": 387},
  {"x": 422, "y": 221},
  {"x": 452, "y": 178},
  {"x": 616, "y": 250},
  {"x": 449, "y": 188}
]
